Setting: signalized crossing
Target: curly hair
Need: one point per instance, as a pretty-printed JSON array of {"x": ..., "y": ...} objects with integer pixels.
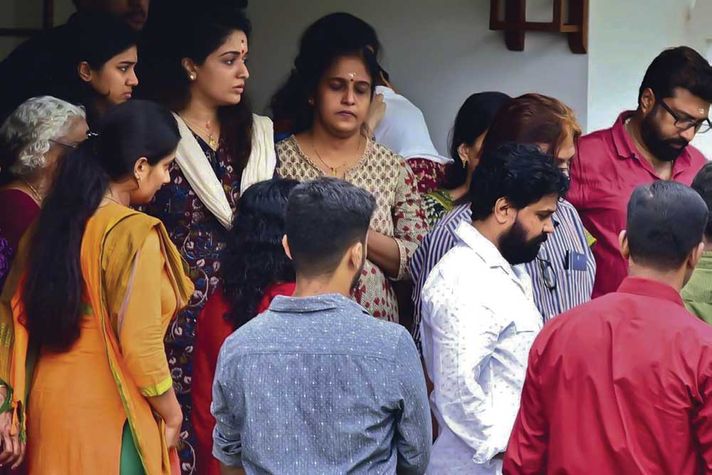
[
  {"x": 254, "y": 258},
  {"x": 522, "y": 174},
  {"x": 28, "y": 132}
]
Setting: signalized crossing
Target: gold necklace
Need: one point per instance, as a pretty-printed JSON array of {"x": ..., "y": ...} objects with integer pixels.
[
  {"x": 212, "y": 140},
  {"x": 334, "y": 170},
  {"x": 33, "y": 191}
]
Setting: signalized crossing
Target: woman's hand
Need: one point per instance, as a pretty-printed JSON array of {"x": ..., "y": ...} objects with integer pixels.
[
  {"x": 167, "y": 407},
  {"x": 384, "y": 252},
  {"x": 13, "y": 451},
  {"x": 173, "y": 432},
  {"x": 375, "y": 113}
]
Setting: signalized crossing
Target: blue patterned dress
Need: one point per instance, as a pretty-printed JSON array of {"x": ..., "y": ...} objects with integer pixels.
[
  {"x": 5, "y": 258},
  {"x": 200, "y": 239}
]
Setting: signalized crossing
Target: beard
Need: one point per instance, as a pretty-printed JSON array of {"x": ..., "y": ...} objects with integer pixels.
[
  {"x": 663, "y": 149},
  {"x": 515, "y": 248}
]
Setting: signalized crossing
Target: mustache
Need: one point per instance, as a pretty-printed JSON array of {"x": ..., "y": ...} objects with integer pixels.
[
  {"x": 678, "y": 142},
  {"x": 541, "y": 239}
]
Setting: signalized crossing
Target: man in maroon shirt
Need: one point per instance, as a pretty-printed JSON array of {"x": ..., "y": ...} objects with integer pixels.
[
  {"x": 648, "y": 144},
  {"x": 623, "y": 384}
]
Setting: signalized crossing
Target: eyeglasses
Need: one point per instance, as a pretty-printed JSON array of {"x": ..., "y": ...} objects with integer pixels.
[
  {"x": 548, "y": 273},
  {"x": 701, "y": 126},
  {"x": 74, "y": 145},
  {"x": 65, "y": 144}
]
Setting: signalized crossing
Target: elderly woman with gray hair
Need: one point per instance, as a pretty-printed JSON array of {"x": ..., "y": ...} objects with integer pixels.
[{"x": 32, "y": 141}]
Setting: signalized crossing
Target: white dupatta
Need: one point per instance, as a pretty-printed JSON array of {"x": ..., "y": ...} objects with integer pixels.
[{"x": 200, "y": 175}]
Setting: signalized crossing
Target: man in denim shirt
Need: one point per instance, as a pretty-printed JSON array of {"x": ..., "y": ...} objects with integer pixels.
[{"x": 316, "y": 385}]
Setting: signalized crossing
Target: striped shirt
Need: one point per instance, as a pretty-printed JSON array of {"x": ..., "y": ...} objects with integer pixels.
[{"x": 558, "y": 284}]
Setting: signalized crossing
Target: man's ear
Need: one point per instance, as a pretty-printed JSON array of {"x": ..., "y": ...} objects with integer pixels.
[
  {"x": 502, "y": 211},
  {"x": 356, "y": 255},
  {"x": 285, "y": 245},
  {"x": 647, "y": 101},
  {"x": 623, "y": 244},
  {"x": 695, "y": 256}
]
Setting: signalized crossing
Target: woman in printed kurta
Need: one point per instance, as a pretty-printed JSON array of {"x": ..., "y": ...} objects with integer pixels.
[
  {"x": 335, "y": 73},
  {"x": 398, "y": 213},
  {"x": 223, "y": 149},
  {"x": 85, "y": 307}
]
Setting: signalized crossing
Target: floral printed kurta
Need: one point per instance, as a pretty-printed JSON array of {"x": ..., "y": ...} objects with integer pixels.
[
  {"x": 398, "y": 212},
  {"x": 200, "y": 239}
]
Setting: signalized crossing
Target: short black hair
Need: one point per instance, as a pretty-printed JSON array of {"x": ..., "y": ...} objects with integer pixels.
[
  {"x": 666, "y": 221},
  {"x": 702, "y": 184},
  {"x": 324, "y": 218},
  {"x": 681, "y": 67},
  {"x": 520, "y": 173}
]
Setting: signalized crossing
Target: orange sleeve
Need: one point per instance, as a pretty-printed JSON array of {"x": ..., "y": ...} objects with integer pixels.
[{"x": 140, "y": 324}]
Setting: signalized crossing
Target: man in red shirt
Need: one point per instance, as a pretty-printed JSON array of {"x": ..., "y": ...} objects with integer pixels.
[
  {"x": 623, "y": 384},
  {"x": 648, "y": 144}
]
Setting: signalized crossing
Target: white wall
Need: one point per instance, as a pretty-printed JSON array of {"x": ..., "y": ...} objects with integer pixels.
[
  {"x": 699, "y": 23},
  {"x": 624, "y": 37},
  {"x": 437, "y": 53}
]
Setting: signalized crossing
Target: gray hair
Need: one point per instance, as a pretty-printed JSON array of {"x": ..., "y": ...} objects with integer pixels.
[{"x": 27, "y": 133}]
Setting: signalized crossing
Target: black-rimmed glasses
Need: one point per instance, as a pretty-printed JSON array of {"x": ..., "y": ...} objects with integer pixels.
[
  {"x": 547, "y": 272},
  {"x": 701, "y": 125}
]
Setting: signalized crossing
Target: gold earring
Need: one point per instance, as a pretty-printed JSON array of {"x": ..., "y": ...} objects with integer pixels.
[{"x": 192, "y": 77}]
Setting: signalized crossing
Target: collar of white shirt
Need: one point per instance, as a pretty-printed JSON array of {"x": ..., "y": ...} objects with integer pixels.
[{"x": 488, "y": 252}]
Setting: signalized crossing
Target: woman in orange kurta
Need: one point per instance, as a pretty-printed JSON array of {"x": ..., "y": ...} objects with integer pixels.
[{"x": 88, "y": 379}]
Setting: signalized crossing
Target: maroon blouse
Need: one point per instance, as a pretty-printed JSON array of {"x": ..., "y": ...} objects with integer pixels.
[{"x": 17, "y": 211}]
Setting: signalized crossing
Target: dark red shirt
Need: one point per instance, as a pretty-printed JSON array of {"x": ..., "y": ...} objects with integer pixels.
[
  {"x": 620, "y": 385},
  {"x": 17, "y": 211},
  {"x": 604, "y": 173}
]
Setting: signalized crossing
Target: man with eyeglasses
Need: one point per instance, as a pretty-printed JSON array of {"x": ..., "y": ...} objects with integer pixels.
[
  {"x": 478, "y": 315},
  {"x": 645, "y": 145}
]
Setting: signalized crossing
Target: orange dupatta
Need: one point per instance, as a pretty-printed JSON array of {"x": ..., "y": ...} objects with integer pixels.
[{"x": 17, "y": 355}]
